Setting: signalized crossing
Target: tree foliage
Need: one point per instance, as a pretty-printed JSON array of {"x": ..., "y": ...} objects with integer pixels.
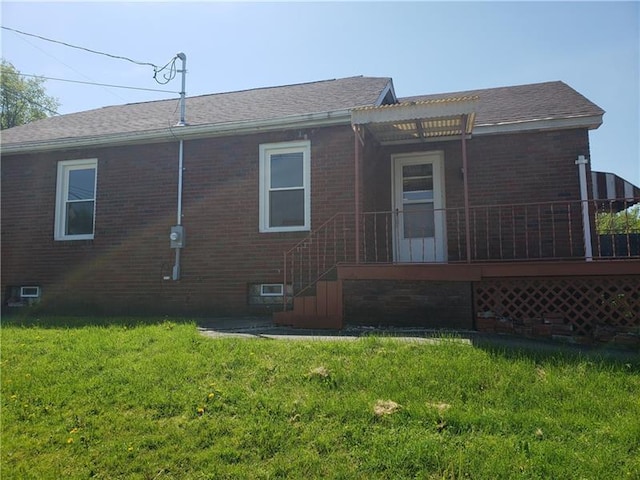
[
  {"x": 625, "y": 221},
  {"x": 23, "y": 100}
]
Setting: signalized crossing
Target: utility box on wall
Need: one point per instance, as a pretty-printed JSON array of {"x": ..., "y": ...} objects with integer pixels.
[{"x": 177, "y": 236}]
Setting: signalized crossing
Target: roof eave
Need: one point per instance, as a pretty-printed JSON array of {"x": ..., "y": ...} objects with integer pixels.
[
  {"x": 590, "y": 122},
  {"x": 322, "y": 119},
  {"x": 337, "y": 117}
]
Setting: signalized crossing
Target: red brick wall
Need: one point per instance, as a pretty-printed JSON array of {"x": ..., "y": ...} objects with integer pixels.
[
  {"x": 408, "y": 303},
  {"x": 514, "y": 168},
  {"x": 503, "y": 169},
  {"x": 122, "y": 269}
]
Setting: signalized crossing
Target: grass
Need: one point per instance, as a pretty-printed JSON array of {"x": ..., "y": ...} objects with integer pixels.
[{"x": 159, "y": 401}]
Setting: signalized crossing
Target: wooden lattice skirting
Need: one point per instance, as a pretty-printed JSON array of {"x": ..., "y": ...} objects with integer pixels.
[{"x": 583, "y": 309}]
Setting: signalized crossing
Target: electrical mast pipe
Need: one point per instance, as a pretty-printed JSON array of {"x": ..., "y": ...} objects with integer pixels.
[{"x": 179, "y": 230}]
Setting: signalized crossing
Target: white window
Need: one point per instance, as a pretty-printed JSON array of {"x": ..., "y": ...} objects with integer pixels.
[
  {"x": 271, "y": 290},
  {"x": 29, "y": 292},
  {"x": 285, "y": 187},
  {"x": 76, "y": 199}
]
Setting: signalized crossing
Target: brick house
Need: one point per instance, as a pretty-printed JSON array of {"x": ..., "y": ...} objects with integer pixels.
[{"x": 335, "y": 198}]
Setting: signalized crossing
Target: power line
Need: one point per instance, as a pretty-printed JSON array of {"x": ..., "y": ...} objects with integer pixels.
[
  {"x": 98, "y": 84},
  {"x": 29, "y": 42},
  {"x": 117, "y": 57},
  {"x": 171, "y": 64}
]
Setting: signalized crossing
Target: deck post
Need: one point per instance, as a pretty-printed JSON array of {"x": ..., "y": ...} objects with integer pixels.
[
  {"x": 584, "y": 197},
  {"x": 284, "y": 291},
  {"x": 465, "y": 177},
  {"x": 357, "y": 140}
]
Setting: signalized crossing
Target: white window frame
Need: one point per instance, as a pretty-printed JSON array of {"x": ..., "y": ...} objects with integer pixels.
[
  {"x": 29, "y": 292},
  {"x": 270, "y": 285},
  {"x": 268, "y": 149},
  {"x": 62, "y": 187}
]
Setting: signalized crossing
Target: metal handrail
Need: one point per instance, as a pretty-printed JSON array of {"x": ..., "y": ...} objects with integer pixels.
[{"x": 531, "y": 231}]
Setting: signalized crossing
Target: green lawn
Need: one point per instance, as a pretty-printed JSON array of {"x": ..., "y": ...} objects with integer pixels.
[{"x": 160, "y": 401}]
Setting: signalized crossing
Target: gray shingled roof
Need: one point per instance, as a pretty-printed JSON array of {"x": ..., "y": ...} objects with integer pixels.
[
  {"x": 550, "y": 100},
  {"x": 247, "y": 105},
  {"x": 521, "y": 103}
]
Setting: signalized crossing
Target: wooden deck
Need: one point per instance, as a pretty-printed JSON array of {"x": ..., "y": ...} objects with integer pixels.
[
  {"x": 554, "y": 298},
  {"x": 475, "y": 272}
]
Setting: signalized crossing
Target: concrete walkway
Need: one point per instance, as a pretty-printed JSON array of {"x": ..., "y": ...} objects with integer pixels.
[{"x": 263, "y": 327}]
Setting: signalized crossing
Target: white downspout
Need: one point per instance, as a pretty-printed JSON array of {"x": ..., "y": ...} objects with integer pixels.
[{"x": 584, "y": 197}]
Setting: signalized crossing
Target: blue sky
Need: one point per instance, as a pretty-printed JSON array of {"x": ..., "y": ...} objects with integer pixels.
[{"x": 426, "y": 47}]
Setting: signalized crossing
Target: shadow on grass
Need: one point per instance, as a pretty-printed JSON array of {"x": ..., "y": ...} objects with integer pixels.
[
  {"x": 549, "y": 350},
  {"x": 540, "y": 350},
  {"x": 509, "y": 346},
  {"x": 80, "y": 321}
]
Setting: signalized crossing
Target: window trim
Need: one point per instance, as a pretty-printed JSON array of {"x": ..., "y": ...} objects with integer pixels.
[
  {"x": 268, "y": 149},
  {"x": 62, "y": 186},
  {"x": 24, "y": 291},
  {"x": 267, "y": 294}
]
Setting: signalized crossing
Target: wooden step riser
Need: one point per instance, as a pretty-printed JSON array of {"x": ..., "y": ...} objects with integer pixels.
[{"x": 322, "y": 310}]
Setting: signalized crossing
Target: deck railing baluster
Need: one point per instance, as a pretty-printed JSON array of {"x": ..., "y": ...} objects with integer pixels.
[
  {"x": 627, "y": 226},
  {"x": 539, "y": 234},
  {"x": 475, "y": 236},
  {"x": 569, "y": 215},
  {"x": 513, "y": 230},
  {"x": 344, "y": 238},
  {"x": 486, "y": 226},
  {"x": 553, "y": 232},
  {"x": 363, "y": 236},
  {"x": 526, "y": 232},
  {"x": 387, "y": 236},
  {"x": 500, "y": 232}
]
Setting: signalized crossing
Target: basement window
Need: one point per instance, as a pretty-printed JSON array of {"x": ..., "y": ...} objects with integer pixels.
[
  {"x": 269, "y": 294},
  {"x": 29, "y": 292},
  {"x": 271, "y": 290},
  {"x": 22, "y": 296}
]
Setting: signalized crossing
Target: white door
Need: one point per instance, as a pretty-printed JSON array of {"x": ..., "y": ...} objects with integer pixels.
[{"x": 418, "y": 196}]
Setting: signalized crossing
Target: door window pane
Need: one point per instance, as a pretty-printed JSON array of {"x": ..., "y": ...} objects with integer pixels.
[
  {"x": 418, "y": 220},
  {"x": 419, "y": 170},
  {"x": 417, "y": 196},
  {"x": 417, "y": 182}
]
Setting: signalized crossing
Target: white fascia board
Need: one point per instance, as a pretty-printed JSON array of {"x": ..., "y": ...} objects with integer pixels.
[
  {"x": 324, "y": 119},
  {"x": 590, "y": 122}
]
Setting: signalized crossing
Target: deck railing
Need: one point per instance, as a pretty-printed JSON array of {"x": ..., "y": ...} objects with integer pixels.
[{"x": 498, "y": 233}]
